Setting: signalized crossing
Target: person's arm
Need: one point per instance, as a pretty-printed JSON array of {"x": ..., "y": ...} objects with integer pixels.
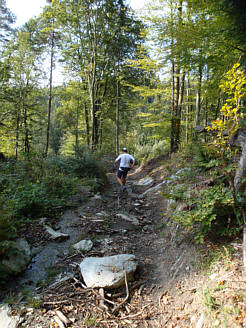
[
  {"x": 132, "y": 163},
  {"x": 117, "y": 160}
]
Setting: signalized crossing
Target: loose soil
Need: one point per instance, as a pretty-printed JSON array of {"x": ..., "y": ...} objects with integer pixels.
[{"x": 172, "y": 287}]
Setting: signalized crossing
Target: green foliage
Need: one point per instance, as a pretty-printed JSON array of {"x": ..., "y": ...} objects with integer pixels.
[
  {"x": 34, "y": 302},
  {"x": 36, "y": 187},
  {"x": 216, "y": 209},
  {"x": 200, "y": 156},
  {"x": 7, "y": 233},
  {"x": 209, "y": 210},
  {"x": 146, "y": 152}
]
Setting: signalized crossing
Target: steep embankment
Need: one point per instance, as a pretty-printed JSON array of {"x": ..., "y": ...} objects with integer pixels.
[{"x": 168, "y": 290}]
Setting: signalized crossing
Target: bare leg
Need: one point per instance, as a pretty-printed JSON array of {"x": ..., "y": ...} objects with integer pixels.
[{"x": 120, "y": 181}]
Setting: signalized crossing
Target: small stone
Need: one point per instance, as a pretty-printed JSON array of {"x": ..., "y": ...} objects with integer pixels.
[
  {"x": 56, "y": 235},
  {"x": 128, "y": 218},
  {"x": 97, "y": 197},
  {"x": 145, "y": 181},
  {"x": 101, "y": 214},
  {"x": 84, "y": 245}
]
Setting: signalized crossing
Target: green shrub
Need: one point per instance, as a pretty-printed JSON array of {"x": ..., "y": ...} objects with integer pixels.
[
  {"x": 200, "y": 156},
  {"x": 37, "y": 199},
  {"x": 208, "y": 211},
  {"x": 83, "y": 165},
  {"x": 36, "y": 187}
]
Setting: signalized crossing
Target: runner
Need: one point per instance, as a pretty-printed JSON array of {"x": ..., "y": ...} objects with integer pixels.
[{"x": 126, "y": 162}]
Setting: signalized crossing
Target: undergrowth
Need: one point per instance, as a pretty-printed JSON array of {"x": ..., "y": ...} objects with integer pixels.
[
  {"x": 222, "y": 297},
  {"x": 200, "y": 197},
  {"x": 35, "y": 187},
  {"x": 148, "y": 151}
]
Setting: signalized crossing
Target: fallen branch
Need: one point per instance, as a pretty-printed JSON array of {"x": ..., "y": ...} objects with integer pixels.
[
  {"x": 130, "y": 316},
  {"x": 62, "y": 317},
  {"x": 59, "y": 322},
  {"x": 125, "y": 299},
  {"x": 68, "y": 300}
]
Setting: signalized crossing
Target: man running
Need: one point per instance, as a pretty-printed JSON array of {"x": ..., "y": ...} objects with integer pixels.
[{"x": 126, "y": 162}]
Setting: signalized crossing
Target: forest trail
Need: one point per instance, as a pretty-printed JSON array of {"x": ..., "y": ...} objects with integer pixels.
[{"x": 166, "y": 291}]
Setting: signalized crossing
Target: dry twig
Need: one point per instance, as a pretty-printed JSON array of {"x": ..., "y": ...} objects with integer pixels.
[{"x": 125, "y": 299}]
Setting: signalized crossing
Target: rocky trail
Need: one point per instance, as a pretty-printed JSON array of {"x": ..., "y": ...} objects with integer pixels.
[{"x": 166, "y": 290}]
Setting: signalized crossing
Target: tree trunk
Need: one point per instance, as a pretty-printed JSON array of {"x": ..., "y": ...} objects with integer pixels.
[
  {"x": 26, "y": 140},
  {"x": 217, "y": 109},
  {"x": 117, "y": 116},
  {"x": 180, "y": 104},
  {"x": 50, "y": 93},
  {"x": 17, "y": 134},
  {"x": 77, "y": 129},
  {"x": 87, "y": 125},
  {"x": 92, "y": 81},
  {"x": 175, "y": 120},
  {"x": 198, "y": 96},
  {"x": 187, "y": 111}
]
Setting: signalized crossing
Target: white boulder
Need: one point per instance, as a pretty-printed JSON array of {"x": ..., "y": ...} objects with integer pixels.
[
  {"x": 108, "y": 272},
  {"x": 5, "y": 320}
]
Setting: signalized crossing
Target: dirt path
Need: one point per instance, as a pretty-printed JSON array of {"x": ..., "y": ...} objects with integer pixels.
[{"x": 166, "y": 290}]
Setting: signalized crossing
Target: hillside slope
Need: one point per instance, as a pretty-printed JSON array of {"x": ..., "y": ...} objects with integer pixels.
[{"x": 178, "y": 283}]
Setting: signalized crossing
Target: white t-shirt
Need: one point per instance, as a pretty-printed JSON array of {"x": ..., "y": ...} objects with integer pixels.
[{"x": 125, "y": 160}]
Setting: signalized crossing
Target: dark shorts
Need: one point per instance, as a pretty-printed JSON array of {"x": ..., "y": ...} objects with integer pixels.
[{"x": 122, "y": 172}]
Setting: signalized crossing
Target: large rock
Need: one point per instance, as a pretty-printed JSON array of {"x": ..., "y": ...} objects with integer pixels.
[
  {"x": 5, "y": 320},
  {"x": 108, "y": 272},
  {"x": 19, "y": 257}
]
